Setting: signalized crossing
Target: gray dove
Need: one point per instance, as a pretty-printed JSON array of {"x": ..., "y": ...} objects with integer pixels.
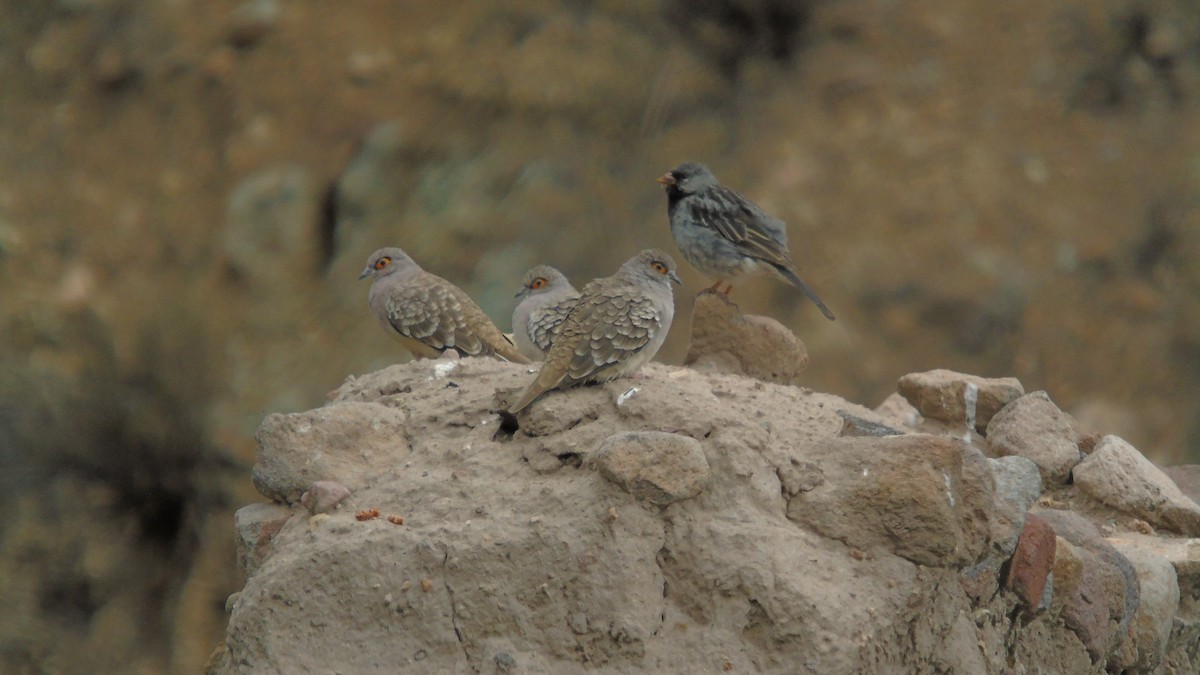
[
  {"x": 616, "y": 327},
  {"x": 429, "y": 315},
  {"x": 546, "y": 296},
  {"x": 725, "y": 235}
]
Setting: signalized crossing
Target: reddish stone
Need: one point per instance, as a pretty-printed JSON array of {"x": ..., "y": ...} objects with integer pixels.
[{"x": 1032, "y": 562}]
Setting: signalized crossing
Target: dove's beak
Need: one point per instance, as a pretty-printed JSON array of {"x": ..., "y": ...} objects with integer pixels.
[
  {"x": 674, "y": 277},
  {"x": 365, "y": 273},
  {"x": 666, "y": 180}
]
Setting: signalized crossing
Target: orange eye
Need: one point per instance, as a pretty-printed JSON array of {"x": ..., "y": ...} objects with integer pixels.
[
  {"x": 659, "y": 267},
  {"x": 383, "y": 262},
  {"x": 537, "y": 283}
]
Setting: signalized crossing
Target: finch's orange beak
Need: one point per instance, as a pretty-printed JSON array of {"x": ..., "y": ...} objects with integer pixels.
[{"x": 666, "y": 179}]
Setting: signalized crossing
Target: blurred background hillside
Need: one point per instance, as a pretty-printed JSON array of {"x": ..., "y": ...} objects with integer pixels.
[{"x": 189, "y": 189}]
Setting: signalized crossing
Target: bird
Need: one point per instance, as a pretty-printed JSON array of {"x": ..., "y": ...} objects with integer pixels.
[
  {"x": 429, "y": 315},
  {"x": 616, "y": 327},
  {"x": 546, "y": 296},
  {"x": 725, "y": 235}
]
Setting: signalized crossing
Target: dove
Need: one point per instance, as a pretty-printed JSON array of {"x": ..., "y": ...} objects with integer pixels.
[
  {"x": 546, "y": 296},
  {"x": 725, "y": 235},
  {"x": 616, "y": 326},
  {"x": 429, "y": 315}
]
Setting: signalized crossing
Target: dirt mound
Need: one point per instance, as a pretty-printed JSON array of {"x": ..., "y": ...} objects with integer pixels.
[{"x": 686, "y": 521}]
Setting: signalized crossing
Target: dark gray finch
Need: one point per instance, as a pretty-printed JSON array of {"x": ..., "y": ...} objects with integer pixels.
[
  {"x": 725, "y": 235},
  {"x": 429, "y": 315}
]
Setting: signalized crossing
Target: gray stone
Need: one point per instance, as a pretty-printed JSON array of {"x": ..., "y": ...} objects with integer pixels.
[
  {"x": 959, "y": 398},
  {"x": 578, "y": 623},
  {"x": 659, "y": 467},
  {"x": 1118, "y": 475},
  {"x": 1158, "y": 587},
  {"x": 1018, "y": 485},
  {"x": 1033, "y": 427}
]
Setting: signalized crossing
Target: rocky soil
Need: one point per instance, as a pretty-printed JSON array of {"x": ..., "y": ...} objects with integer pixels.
[
  {"x": 187, "y": 190},
  {"x": 694, "y": 520}
]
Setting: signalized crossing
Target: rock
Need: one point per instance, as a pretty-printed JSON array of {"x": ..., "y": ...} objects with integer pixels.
[
  {"x": 1184, "y": 556},
  {"x": 1186, "y": 478},
  {"x": 256, "y": 525},
  {"x": 504, "y": 662},
  {"x": 958, "y": 398},
  {"x": 1099, "y": 600},
  {"x": 962, "y": 654},
  {"x": 896, "y": 411},
  {"x": 1158, "y": 590},
  {"x": 642, "y": 403},
  {"x": 924, "y": 498},
  {"x": 1018, "y": 485},
  {"x": 724, "y": 340},
  {"x": 555, "y": 414},
  {"x": 853, "y": 425},
  {"x": 981, "y": 581},
  {"x": 330, "y": 443},
  {"x": 1032, "y": 562},
  {"x": 798, "y": 551},
  {"x": 1081, "y": 594},
  {"x": 1118, "y": 475},
  {"x": 1033, "y": 427},
  {"x": 659, "y": 467},
  {"x": 324, "y": 496}
]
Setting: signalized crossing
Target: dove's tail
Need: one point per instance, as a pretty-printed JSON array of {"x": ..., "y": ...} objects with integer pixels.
[
  {"x": 790, "y": 274},
  {"x": 505, "y": 349},
  {"x": 545, "y": 381},
  {"x": 532, "y": 392}
]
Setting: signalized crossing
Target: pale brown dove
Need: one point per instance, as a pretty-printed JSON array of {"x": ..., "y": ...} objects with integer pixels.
[
  {"x": 616, "y": 327},
  {"x": 546, "y": 296},
  {"x": 429, "y": 315}
]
